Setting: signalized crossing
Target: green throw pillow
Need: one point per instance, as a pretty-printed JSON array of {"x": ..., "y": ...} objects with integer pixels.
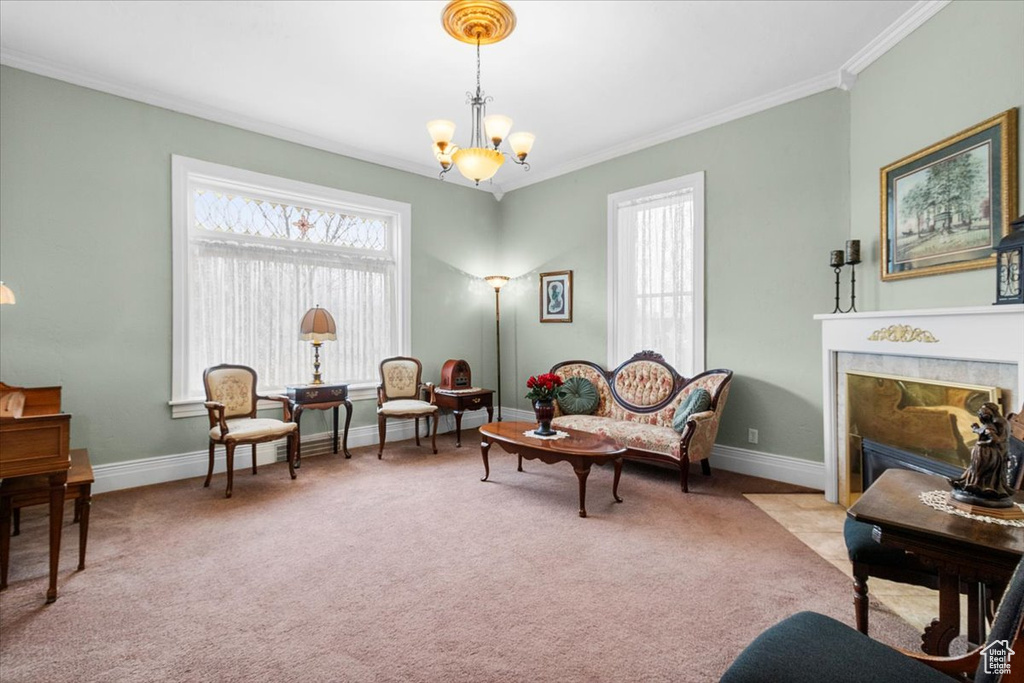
[
  {"x": 578, "y": 396},
  {"x": 698, "y": 401}
]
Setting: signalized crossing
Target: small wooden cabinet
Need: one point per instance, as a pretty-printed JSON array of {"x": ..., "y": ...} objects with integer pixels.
[
  {"x": 319, "y": 397},
  {"x": 461, "y": 401}
]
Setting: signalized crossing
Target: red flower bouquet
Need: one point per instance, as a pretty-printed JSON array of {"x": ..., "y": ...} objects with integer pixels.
[{"x": 543, "y": 387}]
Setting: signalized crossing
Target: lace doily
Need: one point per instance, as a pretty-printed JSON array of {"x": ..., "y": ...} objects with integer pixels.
[
  {"x": 940, "y": 501},
  {"x": 556, "y": 435}
]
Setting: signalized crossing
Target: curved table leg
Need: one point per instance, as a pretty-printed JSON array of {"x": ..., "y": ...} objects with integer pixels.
[
  {"x": 485, "y": 446},
  {"x": 520, "y": 463},
  {"x": 348, "y": 421},
  {"x": 297, "y": 418},
  {"x": 615, "y": 485},
  {"x": 334, "y": 441},
  {"x": 582, "y": 471},
  {"x": 938, "y": 635},
  {"x": 458, "y": 428}
]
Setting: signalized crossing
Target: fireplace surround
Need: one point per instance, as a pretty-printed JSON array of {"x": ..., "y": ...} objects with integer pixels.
[{"x": 977, "y": 345}]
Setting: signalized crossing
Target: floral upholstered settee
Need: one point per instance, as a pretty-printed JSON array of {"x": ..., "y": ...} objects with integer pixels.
[{"x": 638, "y": 401}]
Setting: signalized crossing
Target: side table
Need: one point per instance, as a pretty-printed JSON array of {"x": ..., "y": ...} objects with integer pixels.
[
  {"x": 319, "y": 397},
  {"x": 459, "y": 401}
]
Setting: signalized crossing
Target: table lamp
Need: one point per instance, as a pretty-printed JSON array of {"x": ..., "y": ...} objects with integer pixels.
[
  {"x": 497, "y": 281},
  {"x": 317, "y": 326}
]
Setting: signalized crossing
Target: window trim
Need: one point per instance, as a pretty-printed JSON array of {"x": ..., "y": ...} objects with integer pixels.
[
  {"x": 186, "y": 170},
  {"x": 695, "y": 182}
]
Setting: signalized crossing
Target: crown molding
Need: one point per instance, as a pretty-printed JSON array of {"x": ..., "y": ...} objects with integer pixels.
[
  {"x": 844, "y": 78},
  {"x": 921, "y": 12},
  {"x": 811, "y": 86},
  {"x": 182, "y": 105}
]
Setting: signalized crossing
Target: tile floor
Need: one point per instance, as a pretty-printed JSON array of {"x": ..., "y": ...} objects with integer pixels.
[{"x": 819, "y": 524}]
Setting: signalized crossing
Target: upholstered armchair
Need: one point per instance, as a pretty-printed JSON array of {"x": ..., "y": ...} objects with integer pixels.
[
  {"x": 400, "y": 393},
  {"x": 231, "y": 402},
  {"x": 810, "y": 647}
]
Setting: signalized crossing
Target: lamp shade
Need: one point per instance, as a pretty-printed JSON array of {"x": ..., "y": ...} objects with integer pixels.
[
  {"x": 521, "y": 143},
  {"x": 441, "y": 132},
  {"x": 444, "y": 157},
  {"x": 317, "y": 326},
  {"x": 497, "y": 127},
  {"x": 6, "y": 295},
  {"x": 496, "y": 281},
  {"x": 477, "y": 163}
]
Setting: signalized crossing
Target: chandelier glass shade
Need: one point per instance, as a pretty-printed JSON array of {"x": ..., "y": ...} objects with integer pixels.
[{"x": 478, "y": 22}]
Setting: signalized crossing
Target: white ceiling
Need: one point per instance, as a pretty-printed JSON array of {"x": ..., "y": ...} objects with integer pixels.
[{"x": 590, "y": 79}]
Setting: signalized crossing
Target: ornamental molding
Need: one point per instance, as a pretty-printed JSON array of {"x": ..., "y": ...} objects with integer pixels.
[{"x": 903, "y": 333}]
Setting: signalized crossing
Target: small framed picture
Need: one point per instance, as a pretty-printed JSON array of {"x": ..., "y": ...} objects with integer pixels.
[{"x": 556, "y": 297}]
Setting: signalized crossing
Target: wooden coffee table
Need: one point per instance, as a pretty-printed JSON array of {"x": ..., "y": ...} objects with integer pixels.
[{"x": 579, "y": 449}]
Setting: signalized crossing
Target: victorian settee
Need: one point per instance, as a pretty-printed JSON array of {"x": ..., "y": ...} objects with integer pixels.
[{"x": 638, "y": 401}]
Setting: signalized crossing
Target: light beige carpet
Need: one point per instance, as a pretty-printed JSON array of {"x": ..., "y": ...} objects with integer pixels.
[{"x": 412, "y": 569}]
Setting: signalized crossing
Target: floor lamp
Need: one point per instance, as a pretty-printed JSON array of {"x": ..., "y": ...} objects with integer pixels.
[{"x": 497, "y": 281}]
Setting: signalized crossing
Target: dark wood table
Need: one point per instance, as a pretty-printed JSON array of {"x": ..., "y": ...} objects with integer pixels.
[
  {"x": 461, "y": 401},
  {"x": 319, "y": 397},
  {"x": 579, "y": 449},
  {"x": 959, "y": 549}
]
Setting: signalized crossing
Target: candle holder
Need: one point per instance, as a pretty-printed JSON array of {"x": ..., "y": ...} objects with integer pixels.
[
  {"x": 852, "y": 259},
  {"x": 838, "y": 259}
]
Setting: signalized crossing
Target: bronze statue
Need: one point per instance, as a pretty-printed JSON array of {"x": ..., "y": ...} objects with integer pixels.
[{"x": 984, "y": 482}]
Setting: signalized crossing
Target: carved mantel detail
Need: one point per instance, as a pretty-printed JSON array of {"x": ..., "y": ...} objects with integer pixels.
[{"x": 903, "y": 333}]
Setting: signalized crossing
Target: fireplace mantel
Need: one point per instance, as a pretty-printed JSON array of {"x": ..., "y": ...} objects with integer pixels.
[{"x": 979, "y": 333}]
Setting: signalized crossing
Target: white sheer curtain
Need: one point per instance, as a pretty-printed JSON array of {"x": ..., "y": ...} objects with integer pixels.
[
  {"x": 655, "y": 277},
  {"x": 246, "y": 299}
]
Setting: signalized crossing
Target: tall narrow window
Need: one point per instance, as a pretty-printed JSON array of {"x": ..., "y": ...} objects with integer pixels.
[
  {"x": 253, "y": 252},
  {"x": 656, "y": 272}
]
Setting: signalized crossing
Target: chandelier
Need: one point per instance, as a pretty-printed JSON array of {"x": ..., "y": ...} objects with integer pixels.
[{"x": 479, "y": 22}]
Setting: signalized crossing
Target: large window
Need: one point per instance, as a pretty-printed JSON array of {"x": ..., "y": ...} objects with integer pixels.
[
  {"x": 656, "y": 272},
  {"x": 252, "y": 253}
]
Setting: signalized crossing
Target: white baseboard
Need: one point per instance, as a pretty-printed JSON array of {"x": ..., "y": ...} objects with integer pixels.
[
  {"x": 516, "y": 415},
  {"x": 782, "y": 468},
  {"x": 164, "y": 468}
]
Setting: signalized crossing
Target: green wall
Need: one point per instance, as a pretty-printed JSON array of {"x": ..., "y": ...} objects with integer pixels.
[
  {"x": 783, "y": 188},
  {"x": 85, "y": 237},
  {"x": 776, "y": 202},
  {"x": 85, "y": 242},
  {"x": 964, "y": 65}
]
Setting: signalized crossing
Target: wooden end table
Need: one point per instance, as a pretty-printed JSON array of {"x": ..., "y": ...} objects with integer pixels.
[
  {"x": 959, "y": 549},
  {"x": 461, "y": 401},
  {"x": 319, "y": 397},
  {"x": 579, "y": 449}
]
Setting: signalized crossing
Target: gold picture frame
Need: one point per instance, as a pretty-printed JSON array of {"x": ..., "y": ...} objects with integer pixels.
[
  {"x": 918, "y": 208},
  {"x": 556, "y": 297}
]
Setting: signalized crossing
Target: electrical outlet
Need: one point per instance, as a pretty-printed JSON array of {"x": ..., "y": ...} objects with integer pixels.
[{"x": 752, "y": 435}]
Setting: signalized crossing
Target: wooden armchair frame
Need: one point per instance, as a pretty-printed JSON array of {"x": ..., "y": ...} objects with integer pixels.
[
  {"x": 813, "y": 647},
  {"x": 382, "y": 398},
  {"x": 216, "y": 414}
]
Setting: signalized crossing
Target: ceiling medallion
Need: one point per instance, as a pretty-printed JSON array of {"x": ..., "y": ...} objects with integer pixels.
[
  {"x": 479, "y": 22},
  {"x": 490, "y": 21}
]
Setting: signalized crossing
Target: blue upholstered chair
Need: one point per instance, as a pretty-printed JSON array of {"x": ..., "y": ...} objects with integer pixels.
[
  {"x": 871, "y": 558},
  {"x": 810, "y": 648}
]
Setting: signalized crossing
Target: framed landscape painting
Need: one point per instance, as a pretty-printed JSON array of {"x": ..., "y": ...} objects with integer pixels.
[
  {"x": 556, "y": 297},
  {"x": 944, "y": 208}
]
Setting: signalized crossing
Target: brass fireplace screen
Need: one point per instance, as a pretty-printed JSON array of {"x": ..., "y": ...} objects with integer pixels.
[{"x": 932, "y": 419}]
